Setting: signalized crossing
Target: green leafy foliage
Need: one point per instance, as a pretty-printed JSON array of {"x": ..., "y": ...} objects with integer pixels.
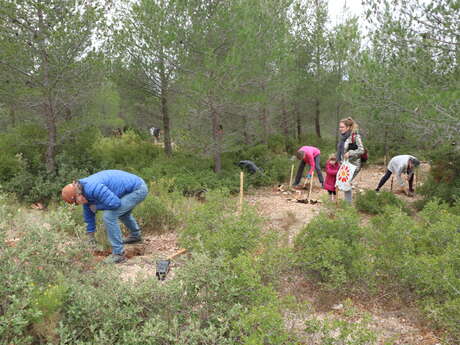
[
  {"x": 444, "y": 179},
  {"x": 374, "y": 203},
  {"x": 215, "y": 228},
  {"x": 332, "y": 246}
]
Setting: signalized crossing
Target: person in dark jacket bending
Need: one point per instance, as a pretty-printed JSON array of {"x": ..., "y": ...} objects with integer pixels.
[{"x": 115, "y": 192}]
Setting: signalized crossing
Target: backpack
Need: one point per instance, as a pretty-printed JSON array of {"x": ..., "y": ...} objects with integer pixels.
[{"x": 365, "y": 155}]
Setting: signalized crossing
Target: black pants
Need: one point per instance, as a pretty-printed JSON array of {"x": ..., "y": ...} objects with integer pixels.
[
  {"x": 331, "y": 192},
  {"x": 387, "y": 176},
  {"x": 302, "y": 164}
]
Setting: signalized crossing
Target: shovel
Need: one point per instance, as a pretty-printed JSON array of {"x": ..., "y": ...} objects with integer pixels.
[
  {"x": 308, "y": 200},
  {"x": 163, "y": 265}
]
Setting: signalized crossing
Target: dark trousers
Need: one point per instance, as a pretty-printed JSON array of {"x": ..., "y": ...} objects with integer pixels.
[
  {"x": 331, "y": 192},
  {"x": 302, "y": 164},
  {"x": 387, "y": 176}
]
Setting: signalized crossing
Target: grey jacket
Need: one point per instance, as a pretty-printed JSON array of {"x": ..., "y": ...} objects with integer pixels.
[
  {"x": 398, "y": 166},
  {"x": 354, "y": 155}
]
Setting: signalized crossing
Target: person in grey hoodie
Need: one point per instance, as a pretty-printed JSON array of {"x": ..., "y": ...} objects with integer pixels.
[{"x": 398, "y": 165}]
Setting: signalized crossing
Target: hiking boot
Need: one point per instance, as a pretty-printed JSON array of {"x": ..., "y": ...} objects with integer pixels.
[
  {"x": 115, "y": 259},
  {"x": 132, "y": 239},
  {"x": 91, "y": 241}
]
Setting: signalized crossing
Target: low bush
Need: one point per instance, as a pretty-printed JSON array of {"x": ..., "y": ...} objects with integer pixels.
[
  {"x": 374, "y": 203},
  {"x": 160, "y": 210},
  {"x": 422, "y": 257},
  {"x": 444, "y": 179},
  {"x": 128, "y": 150},
  {"x": 332, "y": 246},
  {"x": 53, "y": 293},
  {"x": 216, "y": 228}
]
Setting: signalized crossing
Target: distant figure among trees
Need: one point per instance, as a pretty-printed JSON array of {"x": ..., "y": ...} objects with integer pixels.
[
  {"x": 402, "y": 164},
  {"x": 308, "y": 155},
  {"x": 155, "y": 133}
]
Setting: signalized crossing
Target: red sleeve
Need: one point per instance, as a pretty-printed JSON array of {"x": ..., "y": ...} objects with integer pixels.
[{"x": 310, "y": 161}]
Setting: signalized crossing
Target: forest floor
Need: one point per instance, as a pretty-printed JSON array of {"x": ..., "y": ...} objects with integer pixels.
[{"x": 392, "y": 320}]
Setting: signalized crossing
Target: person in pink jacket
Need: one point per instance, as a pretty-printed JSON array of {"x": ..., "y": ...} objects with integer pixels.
[
  {"x": 332, "y": 168},
  {"x": 308, "y": 155}
]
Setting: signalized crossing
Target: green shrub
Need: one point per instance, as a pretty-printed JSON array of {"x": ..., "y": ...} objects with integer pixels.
[
  {"x": 126, "y": 151},
  {"x": 374, "y": 203},
  {"x": 332, "y": 246},
  {"x": 444, "y": 179},
  {"x": 216, "y": 229},
  {"x": 422, "y": 257},
  {"x": 160, "y": 210}
]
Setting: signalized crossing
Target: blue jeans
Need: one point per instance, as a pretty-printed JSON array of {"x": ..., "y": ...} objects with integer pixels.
[{"x": 128, "y": 202}]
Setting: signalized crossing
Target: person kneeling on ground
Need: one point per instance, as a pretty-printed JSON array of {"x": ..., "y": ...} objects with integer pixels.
[
  {"x": 308, "y": 155},
  {"x": 115, "y": 192},
  {"x": 250, "y": 166},
  {"x": 399, "y": 165}
]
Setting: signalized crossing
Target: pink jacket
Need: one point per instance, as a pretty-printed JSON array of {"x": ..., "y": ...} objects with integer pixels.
[
  {"x": 331, "y": 175},
  {"x": 310, "y": 153}
]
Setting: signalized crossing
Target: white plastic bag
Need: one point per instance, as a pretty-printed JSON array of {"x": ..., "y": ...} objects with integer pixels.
[{"x": 345, "y": 175}]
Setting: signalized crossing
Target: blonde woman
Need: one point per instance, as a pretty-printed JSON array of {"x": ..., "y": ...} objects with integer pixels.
[{"x": 350, "y": 147}]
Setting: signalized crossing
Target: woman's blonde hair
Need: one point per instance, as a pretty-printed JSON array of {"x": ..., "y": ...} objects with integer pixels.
[
  {"x": 332, "y": 157},
  {"x": 349, "y": 122}
]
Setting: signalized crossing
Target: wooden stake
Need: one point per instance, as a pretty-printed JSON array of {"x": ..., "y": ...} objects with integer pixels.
[
  {"x": 241, "y": 191},
  {"x": 391, "y": 183},
  {"x": 311, "y": 184},
  {"x": 336, "y": 195},
  {"x": 292, "y": 174}
]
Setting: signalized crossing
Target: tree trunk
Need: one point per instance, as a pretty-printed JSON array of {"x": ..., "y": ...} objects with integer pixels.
[
  {"x": 217, "y": 133},
  {"x": 385, "y": 144},
  {"x": 298, "y": 121},
  {"x": 246, "y": 137},
  {"x": 48, "y": 106},
  {"x": 337, "y": 119},
  {"x": 165, "y": 110},
  {"x": 13, "y": 115},
  {"x": 317, "y": 115},
  {"x": 285, "y": 125},
  {"x": 264, "y": 119},
  {"x": 264, "y": 122},
  {"x": 52, "y": 136}
]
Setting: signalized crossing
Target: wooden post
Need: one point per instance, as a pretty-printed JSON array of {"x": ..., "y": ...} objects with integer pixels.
[
  {"x": 241, "y": 191},
  {"x": 311, "y": 185},
  {"x": 336, "y": 195},
  {"x": 391, "y": 183},
  {"x": 292, "y": 173}
]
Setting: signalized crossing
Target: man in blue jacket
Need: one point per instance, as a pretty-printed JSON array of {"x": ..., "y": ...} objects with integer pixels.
[{"x": 115, "y": 192}]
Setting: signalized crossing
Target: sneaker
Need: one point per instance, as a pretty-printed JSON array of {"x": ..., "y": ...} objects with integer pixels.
[
  {"x": 132, "y": 239},
  {"x": 115, "y": 259}
]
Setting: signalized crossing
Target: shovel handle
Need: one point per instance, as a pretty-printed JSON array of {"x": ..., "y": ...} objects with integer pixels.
[
  {"x": 179, "y": 252},
  {"x": 311, "y": 184}
]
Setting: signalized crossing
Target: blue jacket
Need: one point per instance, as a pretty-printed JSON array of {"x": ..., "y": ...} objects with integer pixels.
[{"x": 105, "y": 189}]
